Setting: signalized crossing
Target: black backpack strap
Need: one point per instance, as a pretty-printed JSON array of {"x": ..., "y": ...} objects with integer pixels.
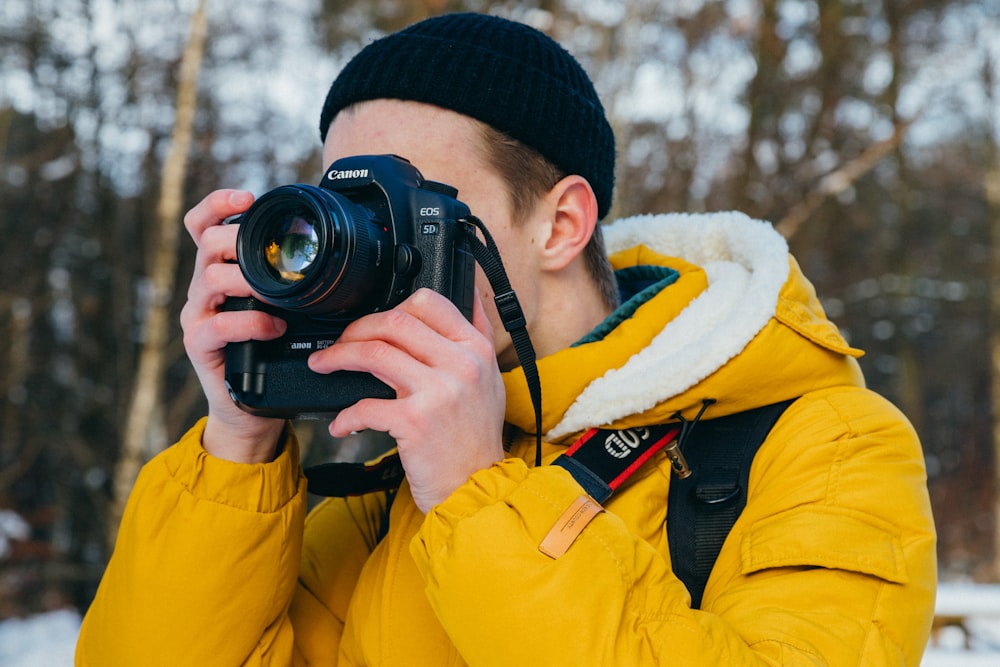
[{"x": 703, "y": 507}]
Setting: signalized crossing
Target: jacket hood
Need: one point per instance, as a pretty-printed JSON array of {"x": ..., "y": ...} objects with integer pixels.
[{"x": 738, "y": 306}]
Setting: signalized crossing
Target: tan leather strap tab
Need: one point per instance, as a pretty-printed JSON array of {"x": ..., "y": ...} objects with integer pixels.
[{"x": 569, "y": 526}]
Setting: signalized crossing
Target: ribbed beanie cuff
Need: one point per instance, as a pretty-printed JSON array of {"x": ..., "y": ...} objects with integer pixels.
[{"x": 502, "y": 73}]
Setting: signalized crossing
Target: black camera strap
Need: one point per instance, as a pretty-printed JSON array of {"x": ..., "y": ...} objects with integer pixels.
[
  {"x": 341, "y": 478},
  {"x": 512, "y": 316}
]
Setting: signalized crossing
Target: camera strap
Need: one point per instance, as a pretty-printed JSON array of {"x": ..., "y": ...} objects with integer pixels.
[
  {"x": 512, "y": 316},
  {"x": 602, "y": 459},
  {"x": 339, "y": 479}
]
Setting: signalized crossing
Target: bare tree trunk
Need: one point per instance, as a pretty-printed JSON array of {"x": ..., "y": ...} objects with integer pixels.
[
  {"x": 991, "y": 183},
  {"x": 14, "y": 445},
  {"x": 765, "y": 102},
  {"x": 142, "y": 432}
]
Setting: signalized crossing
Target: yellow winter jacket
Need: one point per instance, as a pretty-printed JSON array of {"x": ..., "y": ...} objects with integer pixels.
[{"x": 831, "y": 563}]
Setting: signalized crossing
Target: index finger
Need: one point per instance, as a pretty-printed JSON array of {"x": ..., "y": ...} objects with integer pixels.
[
  {"x": 423, "y": 310},
  {"x": 213, "y": 209}
]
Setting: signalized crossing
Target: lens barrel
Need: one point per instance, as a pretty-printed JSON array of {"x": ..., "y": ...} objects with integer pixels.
[{"x": 312, "y": 250}]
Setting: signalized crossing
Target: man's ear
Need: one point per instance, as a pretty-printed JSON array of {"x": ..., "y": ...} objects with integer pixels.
[{"x": 571, "y": 207}]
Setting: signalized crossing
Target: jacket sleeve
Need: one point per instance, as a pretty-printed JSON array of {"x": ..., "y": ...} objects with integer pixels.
[
  {"x": 831, "y": 563},
  {"x": 340, "y": 535},
  {"x": 204, "y": 566}
]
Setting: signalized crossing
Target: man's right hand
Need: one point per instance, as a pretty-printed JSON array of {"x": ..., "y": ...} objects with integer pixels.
[{"x": 230, "y": 433}]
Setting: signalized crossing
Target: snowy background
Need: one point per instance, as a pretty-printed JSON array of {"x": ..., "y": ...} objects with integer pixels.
[
  {"x": 99, "y": 50},
  {"x": 48, "y": 640}
]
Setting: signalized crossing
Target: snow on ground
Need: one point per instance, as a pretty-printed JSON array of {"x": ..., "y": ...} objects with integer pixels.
[{"x": 48, "y": 640}]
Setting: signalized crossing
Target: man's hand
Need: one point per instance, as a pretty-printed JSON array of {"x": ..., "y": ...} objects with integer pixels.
[
  {"x": 447, "y": 417},
  {"x": 230, "y": 433}
]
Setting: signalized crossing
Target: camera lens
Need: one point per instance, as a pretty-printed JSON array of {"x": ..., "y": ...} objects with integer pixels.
[
  {"x": 293, "y": 249},
  {"x": 315, "y": 251}
]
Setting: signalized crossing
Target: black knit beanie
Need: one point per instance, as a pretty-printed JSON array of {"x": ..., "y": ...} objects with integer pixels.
[{"x": 502, "y": 73}]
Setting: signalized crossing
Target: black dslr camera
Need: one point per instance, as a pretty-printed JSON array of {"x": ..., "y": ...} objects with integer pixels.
[{"x": 372, "y": 233}]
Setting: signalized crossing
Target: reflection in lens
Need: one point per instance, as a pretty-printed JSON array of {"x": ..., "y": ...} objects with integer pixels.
[{"x": 293, "y": 249}]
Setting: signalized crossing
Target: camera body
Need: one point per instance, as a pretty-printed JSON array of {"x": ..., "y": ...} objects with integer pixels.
[{"x": 373, "y": 232}]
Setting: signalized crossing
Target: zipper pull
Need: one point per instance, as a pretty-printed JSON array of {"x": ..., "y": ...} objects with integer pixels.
[
  {"x": 673, "y": 450},
  {"x": 677, "y": 460}
]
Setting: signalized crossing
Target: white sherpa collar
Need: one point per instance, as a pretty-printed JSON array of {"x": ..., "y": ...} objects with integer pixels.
[{"x": 746, "y": 262}]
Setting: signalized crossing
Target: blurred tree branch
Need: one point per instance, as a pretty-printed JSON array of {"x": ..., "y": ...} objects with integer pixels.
[{"x": 839, "y": 180}]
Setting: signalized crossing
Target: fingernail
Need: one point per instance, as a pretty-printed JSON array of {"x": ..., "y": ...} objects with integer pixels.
[{"x": 240, "y": 198}]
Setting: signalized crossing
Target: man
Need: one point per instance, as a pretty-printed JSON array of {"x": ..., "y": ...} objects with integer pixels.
[{"x": 831, "y": 562}]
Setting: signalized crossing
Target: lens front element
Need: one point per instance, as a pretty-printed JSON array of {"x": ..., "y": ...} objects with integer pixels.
[
  {"x": 315, "y": 251},
  {"x": 293, "y": 249}
]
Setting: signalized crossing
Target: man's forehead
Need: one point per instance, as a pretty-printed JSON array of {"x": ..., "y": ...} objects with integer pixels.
[{"x": 419, "y": 132}]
